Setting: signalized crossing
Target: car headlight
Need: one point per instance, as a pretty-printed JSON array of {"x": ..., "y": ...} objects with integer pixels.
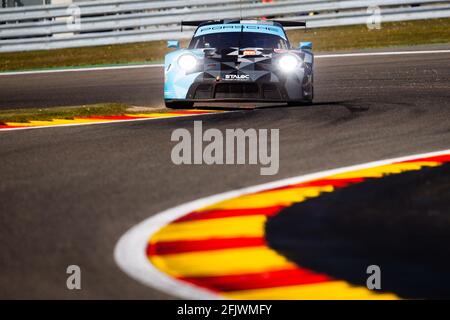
[
  {"x": 187, "y": 62},
  {"x": 288, "y": 62}
]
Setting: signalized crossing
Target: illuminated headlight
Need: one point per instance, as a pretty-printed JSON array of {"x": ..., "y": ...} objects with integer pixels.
[
  {"x": 288, "y": 62},
  {"x": 187, "y": 62}
]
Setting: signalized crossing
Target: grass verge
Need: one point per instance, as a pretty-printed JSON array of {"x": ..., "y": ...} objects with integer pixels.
[
  {"x": 405, "y": 33},
  {"x": 24, "y": 115},
  {"x": 324, "y": 39}
]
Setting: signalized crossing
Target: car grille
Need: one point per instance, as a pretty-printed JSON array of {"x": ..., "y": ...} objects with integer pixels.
[
  {"x": 203, "y": 91},
  {"x": 271, "y": 92},
  {"x": 237, "y": 90}
]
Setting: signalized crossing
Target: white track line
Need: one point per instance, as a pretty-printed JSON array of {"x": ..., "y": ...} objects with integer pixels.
[
  {"x": 323, "y": 56},
  {"x": 390, "y": 53},
  {"x": 137, "y": 66},
  {"x": 130, "y": 249}
]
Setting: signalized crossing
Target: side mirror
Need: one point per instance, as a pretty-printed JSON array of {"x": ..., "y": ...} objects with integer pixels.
[
  {"x": 305, "y": 45},
  {"x": 173, "y": 44}
]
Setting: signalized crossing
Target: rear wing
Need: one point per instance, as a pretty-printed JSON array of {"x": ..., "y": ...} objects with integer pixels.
[
  {"x": 198, "y": 23},
  {"x": 290, "y": 23}
]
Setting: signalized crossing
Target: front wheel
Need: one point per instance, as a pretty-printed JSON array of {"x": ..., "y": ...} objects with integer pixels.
[
  {"x": 310, "y": 97},
  {"x": 307, "y": 99},
  {"x": 179, "y": 104}
]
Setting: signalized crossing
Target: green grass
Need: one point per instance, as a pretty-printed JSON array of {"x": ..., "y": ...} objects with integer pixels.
[
  {"x": 324, "y": 39},
  {"x": 147, "y": 52},
  {"x": 24, "y": 115},
  {"x": 406, "y": 33}
]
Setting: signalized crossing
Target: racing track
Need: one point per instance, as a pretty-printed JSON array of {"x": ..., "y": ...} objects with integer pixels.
[{"x": 68, "y": 194}]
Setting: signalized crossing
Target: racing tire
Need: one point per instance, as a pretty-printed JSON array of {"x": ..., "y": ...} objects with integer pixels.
[
  {"x": 178, "y": 104},
  {"x": 308, "y": 99}
]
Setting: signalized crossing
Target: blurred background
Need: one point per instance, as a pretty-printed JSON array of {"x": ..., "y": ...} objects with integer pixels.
[{"x": 54, "y": 33}]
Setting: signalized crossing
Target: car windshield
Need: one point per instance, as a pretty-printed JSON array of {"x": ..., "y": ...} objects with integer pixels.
[{"x": 224, "y": 40}]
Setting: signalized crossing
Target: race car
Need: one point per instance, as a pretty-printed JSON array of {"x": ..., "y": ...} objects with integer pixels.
[{"x": 239, "y": 61}]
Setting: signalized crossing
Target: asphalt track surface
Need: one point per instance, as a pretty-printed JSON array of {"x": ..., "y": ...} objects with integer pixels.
[{"x": 68, "y": 194}]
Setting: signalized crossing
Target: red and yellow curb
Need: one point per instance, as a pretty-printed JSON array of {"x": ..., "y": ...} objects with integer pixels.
[
  {"x": 216, "y": 247},
  {"x": 101, "y": 119}
]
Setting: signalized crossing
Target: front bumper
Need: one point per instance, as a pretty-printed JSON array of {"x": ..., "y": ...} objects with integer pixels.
[{"x": 236, "y": 91}]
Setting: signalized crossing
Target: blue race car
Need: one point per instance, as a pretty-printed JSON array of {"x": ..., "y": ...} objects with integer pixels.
[{"x": 239, "y": 61}]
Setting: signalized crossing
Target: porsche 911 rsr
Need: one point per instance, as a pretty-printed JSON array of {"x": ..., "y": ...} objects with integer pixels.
[{"x": 239, "y": 61}]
